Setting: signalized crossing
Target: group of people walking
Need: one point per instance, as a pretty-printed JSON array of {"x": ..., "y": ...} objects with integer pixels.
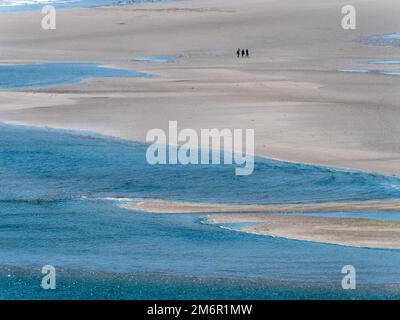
[{"x": 242, "y": 52}]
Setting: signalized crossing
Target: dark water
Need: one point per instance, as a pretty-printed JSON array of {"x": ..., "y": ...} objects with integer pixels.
[{"x": 59, "y": 205}]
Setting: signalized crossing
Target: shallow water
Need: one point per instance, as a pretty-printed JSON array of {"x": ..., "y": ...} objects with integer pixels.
[
  {"x": 39, "y": 75},
  {"x": 391, "y": 39},
  {"x": 385, "y": 73},
  {"x": 374, "y": 71},
  {"x": 57, "y": 207},
  {"x": 385, "y": 62},
  {"x": 160, "y": 59},
  {"x": 28, "y": 5},
  {"x": 354, "y": 70},
  {"x": 391, "y": 73}
]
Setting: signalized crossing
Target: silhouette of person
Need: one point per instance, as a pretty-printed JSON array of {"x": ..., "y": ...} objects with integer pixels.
[
  {"x": 242, "y": 52},
  {"x": 238, "y": 52},
  {"x": 247, "y": 52}
]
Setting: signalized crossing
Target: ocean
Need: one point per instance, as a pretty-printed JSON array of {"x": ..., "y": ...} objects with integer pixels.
[{"x": 60, "y": 204}]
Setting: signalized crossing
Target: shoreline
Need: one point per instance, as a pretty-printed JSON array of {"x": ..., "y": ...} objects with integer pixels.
[
  {"x": 174, "y": 207},
  {"x": 256, "y": 156},
  {"x": 352, "y": 232},
  {"x": 272, "y": 221},
  {"x": 80, "y": 191},
  {"x": 311, "y": 115},
  {"x": 356, "y": 232},
  {"x": 60, "y": 5},
  {"x": 302, "y": 110}
]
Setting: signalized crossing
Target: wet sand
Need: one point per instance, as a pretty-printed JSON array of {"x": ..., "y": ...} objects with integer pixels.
[
  {"x": 289, "y": 91},
  {"x": 342, "y": 231},
  {"x": 158, "y": 206},
  {"x": 349, "y": 232}
]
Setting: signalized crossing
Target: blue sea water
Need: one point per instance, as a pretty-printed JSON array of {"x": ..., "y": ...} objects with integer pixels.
[
  {"x": 353, "y": 70},
  {"x": 385, "y": 73},
  {"x": 39, "y": 75},
  {"x": 391, "y": 73},
  {"x": 391, "y": 39},
  {"x": 59, "y": 204},
  {"x": 382, "y": 72},
  {"x": 159, "y": 59},
  {"x": 28, "y": 5},
  {"x": 384, "y": 62}
]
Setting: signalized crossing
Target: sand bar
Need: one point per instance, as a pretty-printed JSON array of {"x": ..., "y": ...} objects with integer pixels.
[
  {"x": 342, "y": 231},
  {"x": 158, "y": 206},
  {"x": 349, "y": 232}
]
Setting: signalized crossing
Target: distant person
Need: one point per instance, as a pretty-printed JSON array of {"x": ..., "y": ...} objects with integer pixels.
[
  {"x": 247, "y": 53},
  {"x": 238, "y": 52},
  {"x": 243, "y": 52}
]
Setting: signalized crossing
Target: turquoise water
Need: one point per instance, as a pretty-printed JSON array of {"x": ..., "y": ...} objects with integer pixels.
[
  {"x": 385, "y": 73},
  {"x": 377, "y": 62},
  {"x": 59, "y": 205},
  {"x": 391, "y": 73},
  {"x": 385, "y": 62},
  {"x": 391, "y": 39},
  {"x": 355, "y": 70},
  {"x": 39, "y": 75},
  {"x": 27, "y": 5},
  {"x": 160, "y": 59}
]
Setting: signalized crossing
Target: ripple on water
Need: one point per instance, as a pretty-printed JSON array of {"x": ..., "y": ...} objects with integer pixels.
[{"x": 59, "y": 204}]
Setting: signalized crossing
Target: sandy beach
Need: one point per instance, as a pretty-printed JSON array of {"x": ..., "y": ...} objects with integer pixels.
[
  {"x": 349, "y": 232},
  {"x": 158, "y": 206},
  {"x": 342, "y": 231},
  {"x": 289, "y": 91}
]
